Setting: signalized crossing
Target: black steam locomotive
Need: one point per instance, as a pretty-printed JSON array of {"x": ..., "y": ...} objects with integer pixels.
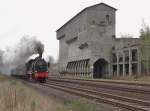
[
  {"x": 37, "y": 69},
  {"x": 34, "y": 69}
]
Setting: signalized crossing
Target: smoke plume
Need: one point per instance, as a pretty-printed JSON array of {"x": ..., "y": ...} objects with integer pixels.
[{"x": 16, "y": 56}]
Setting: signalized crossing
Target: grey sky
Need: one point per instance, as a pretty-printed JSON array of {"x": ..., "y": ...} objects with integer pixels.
[{"x": 42, "y": 18}]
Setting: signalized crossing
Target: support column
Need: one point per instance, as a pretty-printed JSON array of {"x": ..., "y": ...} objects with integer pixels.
[
  {"x": 91, "y": 70},
  {"x": 88, "y": 68},
  {"x": 130, "y": 62},
  {"x": 110, "y": 72},
  {"x": 77, "y": 68},
  {"x": 117, "y": 63},
  {"x": 70, "y": 68},
  {"x": 84, "y": 69},
  {"x": 124, "y": 74},
  {"x": 73, "y": 69},
  {"x": 139, "y": 62},
  {"x": 81, "y": 68}
]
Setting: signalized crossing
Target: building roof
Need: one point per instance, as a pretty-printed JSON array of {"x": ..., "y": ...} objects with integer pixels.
[{"x": 83, "y": 11}]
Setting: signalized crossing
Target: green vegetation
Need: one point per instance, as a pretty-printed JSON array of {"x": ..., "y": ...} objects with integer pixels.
[
  {"x": 33, "y": 106},
  {"x": 16, "y": 96},
  {"x": 3, "y": 77},
  {"x": 145, "y": 49},
  {"x": 78, "y": 105}
]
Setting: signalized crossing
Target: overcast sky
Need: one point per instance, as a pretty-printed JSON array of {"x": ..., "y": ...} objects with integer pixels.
[{"x": 42, "y": 18}]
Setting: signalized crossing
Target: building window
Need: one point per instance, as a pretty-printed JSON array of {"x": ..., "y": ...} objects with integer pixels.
[
  {"x": 114, "y": 70},
  {"x": 134, "y": 55},
  {"x": 120, "y": 59},
  {"x": 134, "y": 68},
  {"x": 127, "y": 69},
  {"x": 114, "y": 58},
  {"x": 107, "y": 18},
  {"x": 121, "y": 69},
  {"x": 126, "y": 53}
]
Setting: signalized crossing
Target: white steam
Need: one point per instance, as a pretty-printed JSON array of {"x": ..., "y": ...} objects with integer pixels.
[{"x": 17, "y": 55}]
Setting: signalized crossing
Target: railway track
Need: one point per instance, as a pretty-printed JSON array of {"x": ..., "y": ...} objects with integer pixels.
[
  {"x": 131, "y": 99},
  {"x": 134, "y": 98},
  {"x": 113, "y": 85},
  {"x": 121, "y": 82}
]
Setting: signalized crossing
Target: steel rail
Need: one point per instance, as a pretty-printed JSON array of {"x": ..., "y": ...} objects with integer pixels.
[
  {"x": 99, "y": 98},
  {"x": 97, "y": 92},
  {"x": 105, "y": 85},
  {"x": 123, "y": 82}
]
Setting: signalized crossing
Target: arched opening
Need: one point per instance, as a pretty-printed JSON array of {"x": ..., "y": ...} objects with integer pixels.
[{"x": 100, "y": 68}]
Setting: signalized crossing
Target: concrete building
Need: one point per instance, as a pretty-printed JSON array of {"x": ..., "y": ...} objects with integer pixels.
[{"x": 88, "y": 45}]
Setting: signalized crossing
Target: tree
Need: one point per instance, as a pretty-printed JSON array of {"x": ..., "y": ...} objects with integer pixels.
[
  {"x": 1, "y": 61},
  {"x": 145, "y": 48}
]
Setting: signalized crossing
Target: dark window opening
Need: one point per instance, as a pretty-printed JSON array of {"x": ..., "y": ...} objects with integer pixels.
[
  {"x": 134, "y": 55},
  {"x": 120, "y": 59},
  {"x": 107, "y": 18},
  {"x": 114, "y": 57},
  {"x": 114, "y": 69},
  {"x": 121, "y": 69},
  {"x": 134, "y": 68},
  {"x": 127, "y": 59},
  {"x": 126, "y": 53},
  {"x": 127, "y": 69}
]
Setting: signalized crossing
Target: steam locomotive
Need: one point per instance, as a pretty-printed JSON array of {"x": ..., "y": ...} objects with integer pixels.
[
  {"x": 34, "y": 69},
  {"x": 37, "y": 69}
]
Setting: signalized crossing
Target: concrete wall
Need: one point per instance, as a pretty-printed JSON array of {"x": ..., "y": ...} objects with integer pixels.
[
  {"x": 96, "y": 27},
  {"x": 101, "y": 31},
  {"x": 75, "y": 28},
  {"x": 91, "y": 35}
]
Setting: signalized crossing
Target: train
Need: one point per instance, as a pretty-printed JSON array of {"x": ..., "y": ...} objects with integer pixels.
[{"x": 33, "y": 70}]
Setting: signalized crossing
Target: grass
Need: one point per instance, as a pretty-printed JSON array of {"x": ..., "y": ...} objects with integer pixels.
[
  {"x": 15, "y": 96},
  {"x": 4, "y": 78},
  {"x": 78, "y": 105}
]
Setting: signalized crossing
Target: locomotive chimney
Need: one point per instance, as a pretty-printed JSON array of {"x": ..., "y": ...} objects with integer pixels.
[
  {"x": 40, "y": 49},
  {"x": 40, "y": 55},
  {"x": 40, "y": 52}
]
